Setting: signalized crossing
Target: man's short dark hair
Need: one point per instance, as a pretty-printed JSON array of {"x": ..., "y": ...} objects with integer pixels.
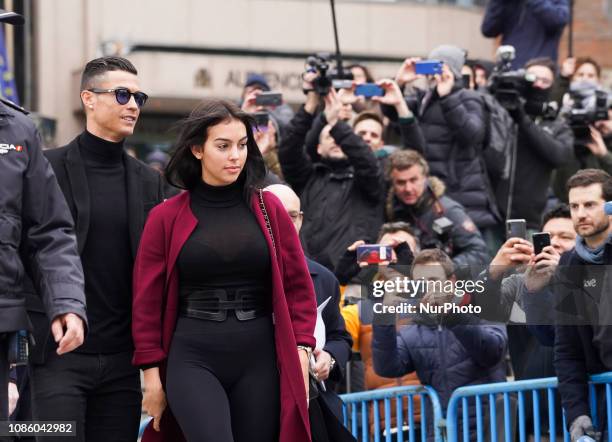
[
  {"x": 405, "y": 159},
  {"x": 542, "y": 61},
  {"x": 367, "y": 115},
  {"x": 586, "y": 177},
  {"x": 561, "y": 210},
  {"x": 102, "y": 65},
  {"x": 434, "y": 256},
  {"x": 397, "y": 226}
]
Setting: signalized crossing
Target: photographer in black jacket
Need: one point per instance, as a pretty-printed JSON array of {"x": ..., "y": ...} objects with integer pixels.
[
  {"x": 342, "y": 192},
  {"x": 544, "y": 143}
]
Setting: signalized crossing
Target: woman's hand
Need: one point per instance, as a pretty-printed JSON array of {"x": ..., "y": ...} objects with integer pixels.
[
  {"x": 154, "y": 398},
  {"x": 305, "y": 364}
]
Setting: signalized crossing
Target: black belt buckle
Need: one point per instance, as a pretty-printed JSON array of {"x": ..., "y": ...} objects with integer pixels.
[
  {"x": 212, "y": 315},
  {"x": 244, "y": 296}
]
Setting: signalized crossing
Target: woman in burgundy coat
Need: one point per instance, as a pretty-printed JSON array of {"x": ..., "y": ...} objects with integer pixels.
[{"x": 224, "y": 308}]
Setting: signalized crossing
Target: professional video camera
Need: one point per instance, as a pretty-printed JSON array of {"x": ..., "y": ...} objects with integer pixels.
[
  {"x": 507, "y": 85},
  {"x": 328, "y": 75},
  {"x": 588, "y": 105}
]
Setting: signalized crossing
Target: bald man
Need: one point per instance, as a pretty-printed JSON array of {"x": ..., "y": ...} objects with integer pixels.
[{"x": 331, "y": 360}]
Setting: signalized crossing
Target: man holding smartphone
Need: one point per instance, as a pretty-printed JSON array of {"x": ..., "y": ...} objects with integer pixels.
[
  {"x": 583, "y": 336},
  {"x": 523, "y": 299}
]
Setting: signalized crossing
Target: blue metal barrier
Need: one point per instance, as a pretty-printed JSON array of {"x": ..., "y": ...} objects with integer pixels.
[
  {"x": 519, "y": 390},
  {"x": 357, "y": 407}
]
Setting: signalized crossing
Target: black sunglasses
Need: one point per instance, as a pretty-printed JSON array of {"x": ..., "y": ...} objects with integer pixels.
[{"x": 123, "y": 95}]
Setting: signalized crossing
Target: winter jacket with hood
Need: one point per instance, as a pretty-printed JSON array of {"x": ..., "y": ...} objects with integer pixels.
[{"x": 468, "y": 248}]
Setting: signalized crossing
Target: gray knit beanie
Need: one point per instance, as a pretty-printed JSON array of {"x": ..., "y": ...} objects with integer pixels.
[{"x": 452, "y": 56}]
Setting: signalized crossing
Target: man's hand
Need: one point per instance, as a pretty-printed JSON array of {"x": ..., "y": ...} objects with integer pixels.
[
  {"x": 513, "y": 253},
  {"x": 597, "y": 145},
  {"x": 333, "y": 105},
  {"x": 406, "y": 73},
  {"x": 305, "y": 364},
  {"x": 312, "y": 98},
  {"x": 541, "y": 269},
  {"x": 68, "y": 332},
  {"x": 605, "y": 126},
  {"x": 568, "y": 67},
  {"x": 393, "y": 97},
  {"x": 445, "y": 81},
  {"x": 154, "y": 397},
  {"x": 13, "y": 397},
  {"x": 264, "y": 139},
  {"x": 249, "y": 106},
  {"x": 322, "y": 364},
  {"x": 582, "y": 426}
]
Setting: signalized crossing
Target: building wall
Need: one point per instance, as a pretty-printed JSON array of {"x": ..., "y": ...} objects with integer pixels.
[
  {"x": 70, "y": 32},
  {"x": 592, "y": 31}
]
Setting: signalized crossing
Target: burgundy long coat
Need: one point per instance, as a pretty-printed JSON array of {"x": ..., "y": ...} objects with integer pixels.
[{"x": 155, "y": 305}]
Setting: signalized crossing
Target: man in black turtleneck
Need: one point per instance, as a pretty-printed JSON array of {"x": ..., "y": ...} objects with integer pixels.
[
  {"x": 110, "y": 195},
  {"x": 341, "y": 193}
]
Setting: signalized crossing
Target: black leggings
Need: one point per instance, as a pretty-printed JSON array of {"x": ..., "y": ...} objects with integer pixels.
[{"x": 222, "y": 382}]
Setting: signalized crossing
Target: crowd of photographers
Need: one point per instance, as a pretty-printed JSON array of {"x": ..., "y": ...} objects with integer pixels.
[
  {"x": 459, "y": 162},
  {"x": 453, "y": 170}
]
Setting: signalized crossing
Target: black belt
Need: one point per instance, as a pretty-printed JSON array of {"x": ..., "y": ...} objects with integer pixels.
[{"x": 213, "y": 305}]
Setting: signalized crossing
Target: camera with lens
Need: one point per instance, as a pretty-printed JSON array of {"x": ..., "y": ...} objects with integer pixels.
[
  {"x": 508, "y": 85},
  {"x": 589, "y": 104},
  {"x": 321, "y": 64},
  {"x": 442, "y": 228}
]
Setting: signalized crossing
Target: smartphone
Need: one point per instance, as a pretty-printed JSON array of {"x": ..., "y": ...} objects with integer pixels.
[
  {"x": 342, "y": 84},
  {"x": 516, "y": 228},
  {"x": 269, "y": 99},
  {"x": 373, "y": 253},
  {"x": 261, "y": 121},
  {"x": 428, "y": 67},
  {"x": 540, "y": 240},
  {"x": 369, "y": 90}
]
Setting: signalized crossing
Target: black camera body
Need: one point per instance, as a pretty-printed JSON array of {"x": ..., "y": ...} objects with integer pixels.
[
  {"x": 590, "y": 104},
  {"x": 442, "y": 228},
  {"x": 321, "y": 64},
  {"x": 509, "y": 87}
]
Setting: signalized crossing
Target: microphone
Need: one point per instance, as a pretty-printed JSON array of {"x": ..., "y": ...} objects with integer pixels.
[{"x": 608, "y": 208}]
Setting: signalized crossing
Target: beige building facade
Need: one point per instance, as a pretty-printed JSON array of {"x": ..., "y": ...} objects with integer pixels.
[{"x": 188, "y": 49}]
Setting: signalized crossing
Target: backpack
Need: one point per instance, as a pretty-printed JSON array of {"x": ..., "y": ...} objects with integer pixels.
[{"x": 500, "y": 138}]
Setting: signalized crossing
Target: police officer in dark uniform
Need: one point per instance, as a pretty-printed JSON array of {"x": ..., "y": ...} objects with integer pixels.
[{"x": 36, "y": 236}]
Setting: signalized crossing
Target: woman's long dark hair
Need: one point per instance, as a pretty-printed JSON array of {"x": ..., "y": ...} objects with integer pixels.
[{"x": 185, "y": 171}]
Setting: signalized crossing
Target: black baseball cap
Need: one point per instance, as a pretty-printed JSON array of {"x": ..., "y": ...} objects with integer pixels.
[{"x": 11, "y": 17}]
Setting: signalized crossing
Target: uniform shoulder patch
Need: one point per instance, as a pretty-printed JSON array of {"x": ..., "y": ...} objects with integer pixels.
[
  {"x": 469, "y": 226},
  {"x": 14, "y": 106}
]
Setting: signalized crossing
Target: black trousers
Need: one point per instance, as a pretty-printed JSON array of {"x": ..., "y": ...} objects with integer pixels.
[
  {"x": 101, "y": 392},
  {"x": 222, "y": 382}
]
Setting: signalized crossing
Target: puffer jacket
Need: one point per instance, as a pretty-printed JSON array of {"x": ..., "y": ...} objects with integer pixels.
[
  {"x": 445, "y": 357},
  {"x": 454, "y": 128},
  {"x": 36, "y": 228},
  {"x": 342, "y": 200}
]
